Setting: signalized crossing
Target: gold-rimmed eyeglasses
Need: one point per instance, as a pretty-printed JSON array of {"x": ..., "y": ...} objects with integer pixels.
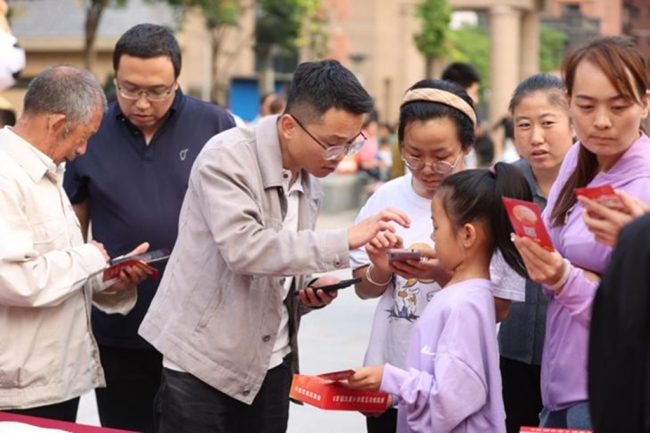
[
  {"x": 333, "y": 152},
  {"x": 152, "y": 95}
]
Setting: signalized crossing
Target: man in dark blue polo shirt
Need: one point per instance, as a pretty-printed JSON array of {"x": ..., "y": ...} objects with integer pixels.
[{"x": 130, "y": 185}]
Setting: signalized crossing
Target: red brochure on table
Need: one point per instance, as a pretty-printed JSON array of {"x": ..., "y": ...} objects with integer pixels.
[{"x": 526, "y": 220}]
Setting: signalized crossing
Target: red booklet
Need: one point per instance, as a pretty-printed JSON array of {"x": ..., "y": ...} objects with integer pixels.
[
  {"x": 329, "y": 391},
  {"x": 603, "y": 194},
  {"x": 143, "y": 260},
  {"x": 551, "y": 430},
  {"x": 526, "y": 220}
]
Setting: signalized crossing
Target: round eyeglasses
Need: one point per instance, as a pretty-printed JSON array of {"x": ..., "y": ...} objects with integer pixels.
[
  {"x": 333, "y": 152},
  {"x": 440, "y": 167},
  {"x": 150, "y": 95}
]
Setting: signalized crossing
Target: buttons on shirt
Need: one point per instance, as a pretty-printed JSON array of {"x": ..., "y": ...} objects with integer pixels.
[
  {"x": 246, "y": 392},
  {"x": 282, "y": 281},
  {"x": 285, "y": 175},
  {"x": 266, "y": 338}
]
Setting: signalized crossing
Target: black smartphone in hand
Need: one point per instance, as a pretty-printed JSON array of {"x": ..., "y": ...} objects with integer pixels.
[{"x": 338, "y": 286}]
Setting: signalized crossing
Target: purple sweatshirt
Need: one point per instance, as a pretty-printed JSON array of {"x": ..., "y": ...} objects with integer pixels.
[
  {"x": 564, "y": 362},
  {"x": 453, "y": 382}
]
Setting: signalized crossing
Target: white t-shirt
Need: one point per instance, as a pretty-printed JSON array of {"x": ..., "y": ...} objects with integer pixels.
[{"x": 404, "y": 301}]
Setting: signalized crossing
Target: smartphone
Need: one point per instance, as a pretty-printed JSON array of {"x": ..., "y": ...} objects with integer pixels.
[
  {"x": 401, "y": 255},
  {"x": 148, "y": 257},
  {"x": 340, "y": 285}
]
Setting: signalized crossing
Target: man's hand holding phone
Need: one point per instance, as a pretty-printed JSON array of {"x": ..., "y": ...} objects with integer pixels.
[{"x": 312, "y": 297}]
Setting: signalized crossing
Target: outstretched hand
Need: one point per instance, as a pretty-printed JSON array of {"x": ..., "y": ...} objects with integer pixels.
[{"x": 363, "y": 232}]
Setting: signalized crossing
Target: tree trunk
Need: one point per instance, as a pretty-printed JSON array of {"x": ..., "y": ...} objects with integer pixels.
[
  {"x": 429, "y": 67},
  {"x": 93, "y": 16},
  {"x": 214, "y": 91}
]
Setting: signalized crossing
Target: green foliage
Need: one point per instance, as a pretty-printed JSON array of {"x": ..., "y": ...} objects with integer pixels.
[
  {"x": 472, "y": 45},
  {"x": 551, "y": 48},
  {"x": 218, "y": 13},
  {"x": 434, "y": 15},
  {"x": 280, "y": 22}
]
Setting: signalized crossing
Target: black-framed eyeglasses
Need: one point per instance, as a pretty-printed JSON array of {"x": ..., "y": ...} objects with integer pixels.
[
  {"x": 150, "y": 95},
  {"x": 333, "y": 152},
  {"x": 440, "y": 167}
]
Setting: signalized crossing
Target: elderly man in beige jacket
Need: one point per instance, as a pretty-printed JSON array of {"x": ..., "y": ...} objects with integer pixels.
[{"x": 48, "y": 276}]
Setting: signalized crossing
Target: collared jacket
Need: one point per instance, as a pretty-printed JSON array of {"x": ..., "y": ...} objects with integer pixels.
[
  {"x": 47, "y": 352},
  {"x": 218, "y": 308}
]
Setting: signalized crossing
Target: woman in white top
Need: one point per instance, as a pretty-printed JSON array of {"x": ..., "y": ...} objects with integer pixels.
[{"x": 436, "y": 129}]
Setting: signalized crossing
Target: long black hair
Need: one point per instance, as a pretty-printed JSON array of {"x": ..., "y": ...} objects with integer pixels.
[{"x": 475, "y": 195}]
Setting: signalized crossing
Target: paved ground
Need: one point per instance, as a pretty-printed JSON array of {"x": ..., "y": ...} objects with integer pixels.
[{"x": 331, "y": 339}]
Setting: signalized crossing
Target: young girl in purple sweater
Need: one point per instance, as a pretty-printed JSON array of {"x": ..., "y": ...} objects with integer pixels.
[{"x": 451, "y": 382}]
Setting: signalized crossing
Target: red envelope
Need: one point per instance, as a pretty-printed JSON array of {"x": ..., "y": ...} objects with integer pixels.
[
  {"x": 337, "y": 375},
  {"x": 526, "y": 220},
  {"x": 114, "y": 271},
  {"x": 603, "y": 194}
]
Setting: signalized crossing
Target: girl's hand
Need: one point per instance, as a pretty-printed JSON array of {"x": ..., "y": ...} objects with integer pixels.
[
  {"x": 606, "y": 223},
  {"x": 367, "y": 378},
  {"x": 379, "y": 246},
  {"x": 543, "y": 266},
  {"x": 426, "y": 269}
]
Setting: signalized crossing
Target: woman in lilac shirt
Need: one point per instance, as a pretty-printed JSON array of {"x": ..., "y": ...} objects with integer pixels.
[{"x": 607, "y": 90}]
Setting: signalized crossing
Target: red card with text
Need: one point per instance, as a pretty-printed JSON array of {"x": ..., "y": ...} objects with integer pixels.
[
  {"x": 551, "y": 430},
  {"x": 603, "y": 194},
  {"x": 114, "y": 270},
  {"x": 334, "y": 395},
  {"x": 526, "y": 220}
]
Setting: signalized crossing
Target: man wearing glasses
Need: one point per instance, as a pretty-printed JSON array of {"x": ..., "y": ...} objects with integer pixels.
[
  {"x": 130, "y": 185},
  {"x": 227, "y": 312}
]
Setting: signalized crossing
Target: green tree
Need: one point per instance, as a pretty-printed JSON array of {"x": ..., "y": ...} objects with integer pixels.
[
  {"x": 282, "y": 27},
  {"x": 551, "y": 48},
  {"x": 432, "y": 40},
  {"x": 221, "y": 17},
  {"x": 471, "y": 44}
]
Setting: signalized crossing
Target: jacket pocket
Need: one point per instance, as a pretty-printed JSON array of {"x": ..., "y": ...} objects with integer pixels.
[{"x": 49, "y": 234}]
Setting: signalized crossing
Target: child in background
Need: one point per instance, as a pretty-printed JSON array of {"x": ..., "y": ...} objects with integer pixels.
[{"x": 451, "y": 380}]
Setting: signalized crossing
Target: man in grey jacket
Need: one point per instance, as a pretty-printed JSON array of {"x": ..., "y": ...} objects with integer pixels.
[{"x": 227, "y": 311}]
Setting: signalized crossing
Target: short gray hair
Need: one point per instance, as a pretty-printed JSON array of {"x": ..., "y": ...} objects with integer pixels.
[{"x": 66, "y": 90}]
